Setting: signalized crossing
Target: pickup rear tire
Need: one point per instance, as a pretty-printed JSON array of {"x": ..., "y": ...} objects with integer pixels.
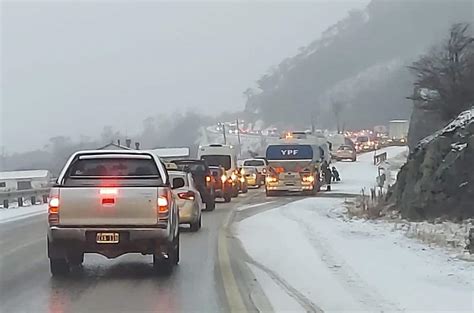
[
  {"x": 58, "y": 267},
  {"x": 164, "y": 266}
]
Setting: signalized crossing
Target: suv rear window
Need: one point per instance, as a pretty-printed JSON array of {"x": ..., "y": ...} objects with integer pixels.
[
  {"x": 218, "y": 160},
  {"x": 114, "y": 167}
]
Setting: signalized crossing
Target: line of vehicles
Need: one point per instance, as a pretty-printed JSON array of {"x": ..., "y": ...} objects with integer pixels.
[{"x": 114, "y": 202}]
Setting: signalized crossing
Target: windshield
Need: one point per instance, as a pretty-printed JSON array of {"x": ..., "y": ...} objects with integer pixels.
[
  {"x": 218, "y": 160},
  {"x": 254, "y": 163}
]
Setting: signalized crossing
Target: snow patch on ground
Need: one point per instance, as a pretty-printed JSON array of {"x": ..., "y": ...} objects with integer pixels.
[
  {"x": 17, "y": 213},
  {"x": 355, "y": 265},
  {"x": 361, "y": 174}
]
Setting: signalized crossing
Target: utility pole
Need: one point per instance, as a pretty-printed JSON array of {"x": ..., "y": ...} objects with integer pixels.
[
  {"x": 223, "y": 133},
  {"x": 238, "y": 136}
]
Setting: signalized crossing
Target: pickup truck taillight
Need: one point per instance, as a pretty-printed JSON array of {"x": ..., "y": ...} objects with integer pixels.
[
  {"x": 53, "y": 207},
  {"x": 162, "y": 204},
  {"x": 162, "y": 208}
]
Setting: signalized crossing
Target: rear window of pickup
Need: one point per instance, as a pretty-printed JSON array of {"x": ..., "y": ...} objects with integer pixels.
[{"x": 119, "y": 167}]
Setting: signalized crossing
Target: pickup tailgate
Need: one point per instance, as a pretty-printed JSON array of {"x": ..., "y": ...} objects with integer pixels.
[{"x": 108, "y": 206}]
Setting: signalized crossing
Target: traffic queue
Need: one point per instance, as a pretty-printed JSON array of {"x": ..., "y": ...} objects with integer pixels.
[{"x": 114, "y": 202}]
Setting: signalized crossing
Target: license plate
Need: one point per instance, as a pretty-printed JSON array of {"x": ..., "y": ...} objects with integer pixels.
[{"x": 107, "y": 238}]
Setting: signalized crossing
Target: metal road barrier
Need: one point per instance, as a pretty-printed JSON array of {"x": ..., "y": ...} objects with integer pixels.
[
  {"x": 34, "y": 195},
  {"x": 380, "y": 158}
]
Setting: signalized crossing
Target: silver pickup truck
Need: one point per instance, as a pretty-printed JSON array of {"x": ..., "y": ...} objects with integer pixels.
[{"x": 112, "y": 203}]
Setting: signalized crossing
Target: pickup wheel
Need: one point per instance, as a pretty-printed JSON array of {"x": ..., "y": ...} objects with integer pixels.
[
  {"x": 58, "y": 267},
  {"x": 164, "y": 266},
  {"x": 227, "y": 197}
]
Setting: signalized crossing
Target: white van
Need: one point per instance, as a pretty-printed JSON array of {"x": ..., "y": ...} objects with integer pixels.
[{"x": 219, "y": 155}]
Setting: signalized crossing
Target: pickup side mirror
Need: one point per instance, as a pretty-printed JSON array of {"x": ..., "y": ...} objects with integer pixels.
[{"x": 178, "y": 182}]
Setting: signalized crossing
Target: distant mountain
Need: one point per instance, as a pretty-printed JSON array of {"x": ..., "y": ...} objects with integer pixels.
[{"x": 360, "y": 63}]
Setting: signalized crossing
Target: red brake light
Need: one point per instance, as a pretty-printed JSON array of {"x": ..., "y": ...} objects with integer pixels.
[{"x": 189, "y": 195}]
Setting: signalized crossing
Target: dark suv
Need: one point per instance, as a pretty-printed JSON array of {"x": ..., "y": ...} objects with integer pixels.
[{"x": 202, "y": 177}]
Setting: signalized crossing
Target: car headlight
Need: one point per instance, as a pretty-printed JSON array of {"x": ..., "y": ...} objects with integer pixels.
[{"x": 308, "y": 179}]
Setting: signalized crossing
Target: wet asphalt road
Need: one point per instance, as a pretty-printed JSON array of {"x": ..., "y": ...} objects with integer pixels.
[{"x": 125, "y": 284}]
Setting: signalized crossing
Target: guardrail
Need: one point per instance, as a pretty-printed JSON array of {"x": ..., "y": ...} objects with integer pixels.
[
  {"x": 380, "y": 158},
  {"x": 34, "y": 195}
]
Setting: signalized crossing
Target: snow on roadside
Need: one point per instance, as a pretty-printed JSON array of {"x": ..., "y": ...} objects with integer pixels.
[
  {"x": 362, "y": 173},
  {"x": 355, "y": 265},
  {"x": 17, "y": 213}
]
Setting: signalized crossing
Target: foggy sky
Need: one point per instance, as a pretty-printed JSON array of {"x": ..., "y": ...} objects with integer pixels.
[{"x": 72, "y": 67}]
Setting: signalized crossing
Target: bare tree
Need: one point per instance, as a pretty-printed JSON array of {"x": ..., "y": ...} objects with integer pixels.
[{"x": 445, "y": 76}]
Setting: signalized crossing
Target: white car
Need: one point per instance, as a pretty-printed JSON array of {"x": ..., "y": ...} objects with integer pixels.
[
  {"x": 260, "y": 165},
  {"x": 188, "y": 199}
]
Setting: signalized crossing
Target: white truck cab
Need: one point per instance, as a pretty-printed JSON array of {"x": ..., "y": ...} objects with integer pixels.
[{"x": 219, "y": 155}]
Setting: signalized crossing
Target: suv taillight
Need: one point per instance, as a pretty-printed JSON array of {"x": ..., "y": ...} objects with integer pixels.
[
  {"x": 53, "y": 207},
  {"x": 189, "y": 195}
]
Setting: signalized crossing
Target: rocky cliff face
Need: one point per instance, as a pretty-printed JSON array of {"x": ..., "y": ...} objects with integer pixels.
[
  {"x": 438, "y": 178},
  {"x": 423, "y": 123}
]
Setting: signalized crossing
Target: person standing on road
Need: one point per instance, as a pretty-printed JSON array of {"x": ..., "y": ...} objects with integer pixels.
[{"x": 327, "y": 174}]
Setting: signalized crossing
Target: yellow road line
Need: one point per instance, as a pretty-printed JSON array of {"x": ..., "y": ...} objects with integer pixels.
[{"x": 234, "y": 298}]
